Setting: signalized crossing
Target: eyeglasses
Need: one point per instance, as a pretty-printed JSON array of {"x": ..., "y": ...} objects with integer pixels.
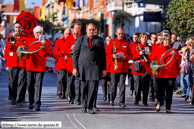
[{"x": 167, "y": 40}]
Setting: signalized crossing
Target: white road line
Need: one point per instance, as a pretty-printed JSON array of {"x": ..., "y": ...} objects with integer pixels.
[
  {"x": 79, "y": 122},
  {"x": 72, "y": 122}
]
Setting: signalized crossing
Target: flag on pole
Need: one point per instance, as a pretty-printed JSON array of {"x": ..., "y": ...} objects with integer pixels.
[
  {"x": 16, "y": 6},
  {"x": 69, "y": 3},
  {"x": 11, "y": 18},
  {"x": 36, "y": 12},
  {"x": 42, "y": 13},
  {"x": 84, "y": 2},
  {"x": 22, "y": 5},
  {"x": 61, "y": 1},
  {"x": 77, "y": 3}
]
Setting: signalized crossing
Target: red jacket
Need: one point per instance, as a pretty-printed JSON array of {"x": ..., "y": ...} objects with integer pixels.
[
  {"x": 67, "y": 50},
  {"x": 37, "y": 61},
  {"x": 108, "y": 60},
  {"x": 171, "y": 70},
  {"x": 12, "y": 60},
  {"x": 60, "y": 62},
  {"x": 122, "y": 47},
  {"x": 137, "y": 57}
]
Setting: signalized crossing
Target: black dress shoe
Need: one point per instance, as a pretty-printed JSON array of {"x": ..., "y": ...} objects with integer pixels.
[
  {"x": 186, "y": 98},
  {"x": 168, "y": 111},
  {"x": 13, "y": 102},
  {"x": 104, "y": 98},
  {"x": 136, "y": 102},
  {"x": 84, "y": 110},
  {"x": 19, "y": 104},
  {"x": 9, "y": 98},
  {"x": 23, "y": 101},
  {"x": 145, "y": 104},
  {"x": 62, "y": 97},
  {"x": 95, "y": 109},
  {"x": 71, "y": 101},
  {"x": 111, "y": 103},
  {"x": 122, "y": 105},
  {"x": 78, "y": 102},
  {"x": 30, "y": 106},
  {"x": 91, "y": 111},
  {"x": 37, "y": 108},
  {"x": 131, "y": 92}
]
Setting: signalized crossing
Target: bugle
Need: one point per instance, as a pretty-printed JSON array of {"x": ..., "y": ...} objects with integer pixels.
[
  {"x": 21, "y": 52},
  {"x": 14, "y": 39},
  {"x": 155, "y": 68},
  {"x": 115, "y": 60}
]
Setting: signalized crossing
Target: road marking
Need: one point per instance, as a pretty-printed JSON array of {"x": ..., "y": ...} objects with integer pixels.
[
  {"x": 71, "y": 121},
  {"x": 78, "y": 121}
]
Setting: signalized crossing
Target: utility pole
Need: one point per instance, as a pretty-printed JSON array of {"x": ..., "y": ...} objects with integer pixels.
[{"x": 123, "y": 11}]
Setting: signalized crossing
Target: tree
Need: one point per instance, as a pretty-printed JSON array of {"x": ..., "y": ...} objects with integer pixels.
[
  {"x": 53, "y": 16},
  {"x": 47, "y": 26},
  {"x": 181, "y": 17},
  {"x": 122, "y": 17},
  {"x": 86, "y": 21}
]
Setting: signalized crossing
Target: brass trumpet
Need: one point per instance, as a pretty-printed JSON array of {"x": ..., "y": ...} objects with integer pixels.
[
  {"x": 14, "y": 39},
  {"x": 115, "y": 60},
  {"x": 21, "y": 52},
  {"x": 155, "y": 68}
]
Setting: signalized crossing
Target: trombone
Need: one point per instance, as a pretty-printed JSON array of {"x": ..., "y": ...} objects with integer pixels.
[
  {"x": 21, "y": 52},
  {"x": 115, "y": 60},
  {"x": 14, "y": 39}
]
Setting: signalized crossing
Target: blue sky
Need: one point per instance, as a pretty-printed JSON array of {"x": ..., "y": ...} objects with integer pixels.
[{"x": 28, "y": 3}]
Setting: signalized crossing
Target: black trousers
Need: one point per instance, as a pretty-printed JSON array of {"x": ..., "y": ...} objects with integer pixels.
[
  {"x": 165, "y": 85},
  {"x": 131, "y": 80},
  {"x": 18, "y": 81},
  {"x": 152, "y": 87},
  {"x": 115, "y": 78},
  {"x": 70, "y": 85},
  {"x": 104, "y": 81},
  {"x": 141, "y": 81},
  {"x": 88, "y": 89},
  {"x": 77, "y": 90},
  {"x": 9, "y": 84},
  {"x": 33, "y": 78},
  {"x": 61, "y": 82}
]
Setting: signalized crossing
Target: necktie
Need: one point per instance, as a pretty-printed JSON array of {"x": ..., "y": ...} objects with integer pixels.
[{"x": 90, "y": 43}]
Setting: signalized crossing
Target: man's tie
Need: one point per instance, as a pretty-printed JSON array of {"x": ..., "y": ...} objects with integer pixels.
[{"x": 90, "y": 43}]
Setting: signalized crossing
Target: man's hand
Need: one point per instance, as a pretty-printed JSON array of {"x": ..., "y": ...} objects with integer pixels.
[
  {"x": 15, "y": 33},
  {"x": 72, "y": 47},
  {"x": 142, "y": 52},
  {"x": 75, "y": 72},
  {"x": 104, "y": 73},
  {"x": 43, "y": 43},
  {"x": 115, "y": 56},
  {"x": 123, "y": 58}
]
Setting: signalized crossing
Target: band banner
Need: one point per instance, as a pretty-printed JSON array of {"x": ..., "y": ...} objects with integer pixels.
[{"x": 28, "y": 22}]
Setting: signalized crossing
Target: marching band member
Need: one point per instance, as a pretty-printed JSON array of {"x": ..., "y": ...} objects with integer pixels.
[
  {"x": 89, "y": 64},
  {"x": 107, "y": 78},
  {"x": 17, "y": 68},
  {"x": 166, "y": 78},
  {"x": 61, "y": 64},
  {"x": 141, "y": 68},
  {"x": 130, "y": 76},
  {"x": 152, "y": 85},
  {"x": 122, "y": 48},
  {"x": 35, "y": 67},
  {"x": 69, "y": 46}
]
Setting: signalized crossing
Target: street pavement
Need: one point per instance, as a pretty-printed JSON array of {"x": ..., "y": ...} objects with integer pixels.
[{"x": 109, "y": 117}]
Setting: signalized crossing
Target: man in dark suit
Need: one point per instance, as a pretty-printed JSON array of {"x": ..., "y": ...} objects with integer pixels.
[{"x": 89, "y": 64}]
